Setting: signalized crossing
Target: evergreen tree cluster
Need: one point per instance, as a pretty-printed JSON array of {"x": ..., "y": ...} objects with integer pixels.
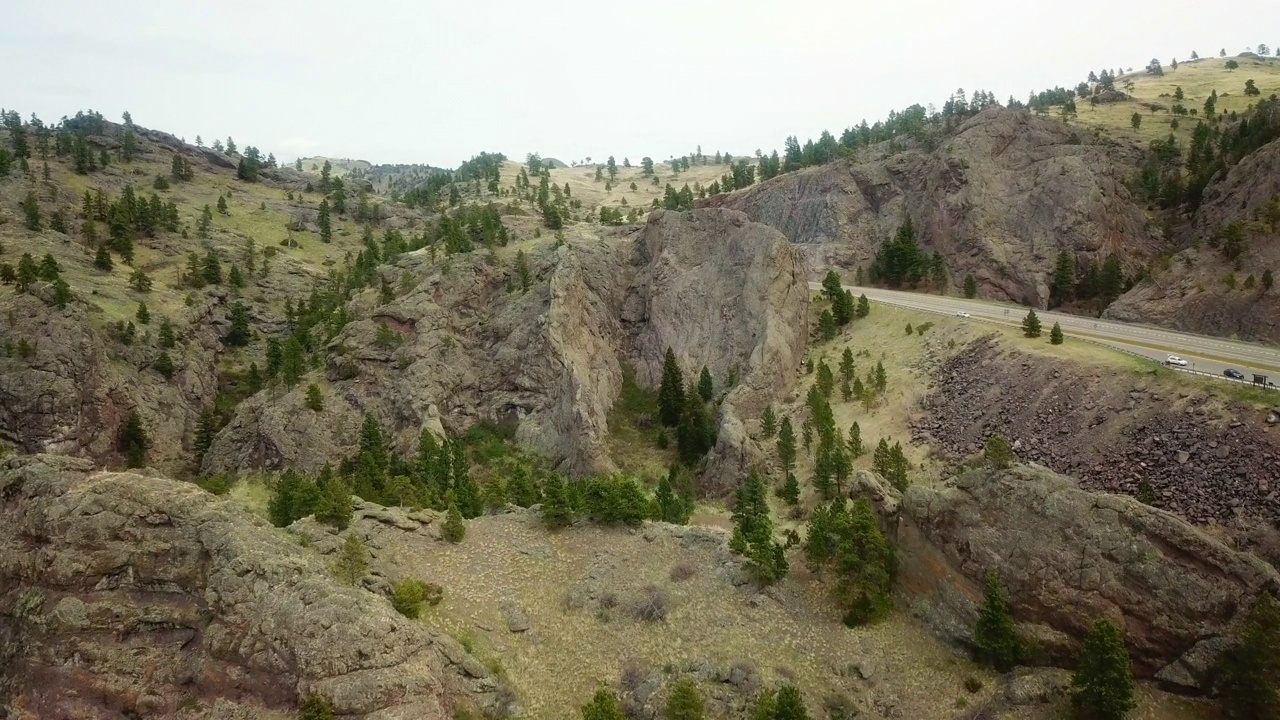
[
  {"x": 848, "y": 542},
  {"x": 891, "y": 463},
  {"x": 684, "y": 407},
  {"x": 900, "y": 261},
  {"x": 1174, "y": 176}
]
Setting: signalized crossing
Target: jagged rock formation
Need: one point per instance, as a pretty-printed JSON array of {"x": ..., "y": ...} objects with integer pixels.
[
  {"x": 1067, "y": 557},
  {"x": 1190, "y": 291},
  {"x": 1203, "y": 460},
  {"x": 720, "y": 291},
  {"x": 123, "y": 595},
  {"x": 999, "y": 198}
]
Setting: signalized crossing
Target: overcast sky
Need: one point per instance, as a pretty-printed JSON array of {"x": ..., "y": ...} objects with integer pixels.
[{"x": 436, "y": 82}]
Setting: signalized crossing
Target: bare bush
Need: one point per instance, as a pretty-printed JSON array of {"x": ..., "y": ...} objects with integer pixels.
[
  {"x": 652, "y": 605},
  {"x": 608, "y": 600},
  {"x": 683, "y": 571},
  {"x": 573, "y": 600},
  {"x": 633, "y": 674}
]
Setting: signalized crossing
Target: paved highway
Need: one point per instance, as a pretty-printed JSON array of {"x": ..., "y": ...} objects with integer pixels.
[{"x": 1205, "y": 354}]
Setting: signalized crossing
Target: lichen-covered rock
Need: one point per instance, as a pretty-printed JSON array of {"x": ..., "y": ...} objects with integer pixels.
[
  {"x": 123, "y": 595},
  {"x": 1068, "y": 557}
]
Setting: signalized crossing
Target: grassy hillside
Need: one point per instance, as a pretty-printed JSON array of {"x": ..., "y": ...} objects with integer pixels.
[{"x": 1197, "y": 78}]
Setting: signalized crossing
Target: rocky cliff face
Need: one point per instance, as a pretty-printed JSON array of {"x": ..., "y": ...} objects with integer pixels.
[
  {"x": 1000, "y": 199},
  {"x": 1191, "y": 291},
  {"x": 721, "y": 291},
  {"x": 1068, "y": 557},
  {"x": 125, "y": 596},
  {"x": 73, "y": 391}
]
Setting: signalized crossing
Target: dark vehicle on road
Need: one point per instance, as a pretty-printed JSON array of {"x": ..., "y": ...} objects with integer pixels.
[{"x": 1233, "y": 374}]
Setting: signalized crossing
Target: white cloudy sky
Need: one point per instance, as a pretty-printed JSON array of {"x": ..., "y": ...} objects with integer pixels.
[{"x": 435, "y": 82}]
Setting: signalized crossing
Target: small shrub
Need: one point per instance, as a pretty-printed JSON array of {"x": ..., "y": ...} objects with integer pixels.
[
  {"x": 608, "y": 600},
  {"x": 315, "y": 707},
  {"x": 652, "y": 605},
  {"x": 973, "y": 684},
  {"x": 573, "y": 600},
  {"x": 683, "y": 571},
  {"x": 408, "y": 597}
]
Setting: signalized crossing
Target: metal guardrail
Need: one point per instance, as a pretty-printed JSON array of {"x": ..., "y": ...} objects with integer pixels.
[{"x": 1093, "y": 341}]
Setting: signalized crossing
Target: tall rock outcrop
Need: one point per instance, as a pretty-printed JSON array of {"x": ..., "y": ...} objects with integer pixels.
[
  {"x": 1191, "y": 290},
  {"x": 467, "y": 347},
  {"x": 1000, "y": 198},
  {"x": 1068, "y": 557},
  {"x": 123, "y": 595}
]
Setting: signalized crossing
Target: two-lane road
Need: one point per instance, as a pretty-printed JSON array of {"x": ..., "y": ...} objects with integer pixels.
[{"x": 1206, "y": 354}]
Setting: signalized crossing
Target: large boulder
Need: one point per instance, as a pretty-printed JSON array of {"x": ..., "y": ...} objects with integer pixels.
[
  {"x": 124, "y": 595},
  {"x": 1068, "y": 557}
]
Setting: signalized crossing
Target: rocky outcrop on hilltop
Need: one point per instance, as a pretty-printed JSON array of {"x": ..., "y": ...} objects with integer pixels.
[
  {"x": 123, "y": 595},
  {"x": 469, "y": 347},
  {"x": 1067, "y": 557},
  {"x": 1000, "y": 198},
  {"x": 1191, "y": 291},
  {"x": 1203, "y": 460}
]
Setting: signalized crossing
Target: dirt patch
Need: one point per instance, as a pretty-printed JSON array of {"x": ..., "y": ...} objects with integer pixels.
[{"x": 1204, "y": 458}]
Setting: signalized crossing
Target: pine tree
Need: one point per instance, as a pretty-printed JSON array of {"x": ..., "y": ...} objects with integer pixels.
[
  {"x": 864, "y": 306},
  {"x": 706, "y": 389},
  {"x": 164, "y": 365},
  {"x": 768, "y": 422},
  {"x": 322, "y": 219},
  {"x": 1103, "y": 687},
  {"x": 166, "y": 337},
  {"x": 522, "y": 270},
  {"x": 206, "y": 428},
  {"x": 48, "y": 270},
  {"x": 28, "y": 273},
  {"x": 222, "y": 205},
  {"x": 1250, "y": 670},
  {"x": 787, "y": 446},
  {"x": 139, "y": 281},
  {"x": 791, "y": 489},
  {"x": 826, "y": 325},
  {"x": 603, "y": 706},
  {"x": 856, "y": 448},
  {"x": 671, "y": 507},
  {"x": 211, "y": 269},
  {"x": 353, "y": 560},
  {"x": 1055, "y": 334},
  {"x": 671, "y": 391},
  {"x": 315, "y": 401},
  {"x": 132, "y": 440},
  {"x": 788, "y": 704},
  {"x": 881, "y": 378},
  {"x": 556, "y": 510},
  {"x": 995, "y": 640},
  {"x": 238, "y": 331},
  {"x": 997, "y": 452},
  {"x": 684, "y": 703},
  {"x": 454, "y": 528},
  {"x": 696, "y": 432},
  {"x": 1031, "y": 325},
  {"x": 31, "y": 208},
  {"x": 143, "y": 315},
  {"x": 847, "y": 366},
  {"x": 336, "y": 507},
  {"x": 970, "y": 287}
]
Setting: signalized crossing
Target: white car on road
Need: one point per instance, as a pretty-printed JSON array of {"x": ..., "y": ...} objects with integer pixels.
[
  {"x": 1175, "y": 360},
  {"x": 963, "y": 314}
]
